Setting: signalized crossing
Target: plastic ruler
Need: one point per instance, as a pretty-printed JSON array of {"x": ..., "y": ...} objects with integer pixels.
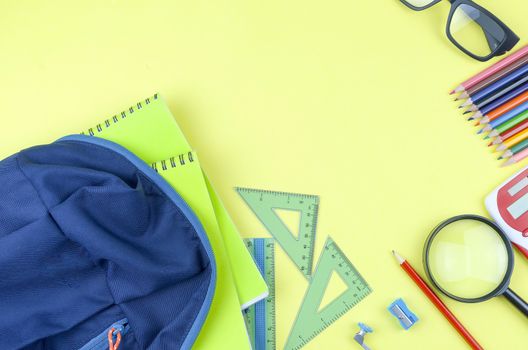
[
  {"x": 311, "y": 320},
  {"x": 260, "y": 318},
  {"x": 264, "y": 204}
]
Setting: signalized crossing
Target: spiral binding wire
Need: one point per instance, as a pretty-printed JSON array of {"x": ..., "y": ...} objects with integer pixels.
[
  {"x": 173, "y": 162},
  {"x": 115, "y": 119}
]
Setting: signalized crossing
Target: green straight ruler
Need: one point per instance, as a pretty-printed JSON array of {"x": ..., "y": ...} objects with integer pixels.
[
  {"x": 265, "y": 203},
  {"x": 260, "y": 318},
  {"x": 311, "y": 321}
]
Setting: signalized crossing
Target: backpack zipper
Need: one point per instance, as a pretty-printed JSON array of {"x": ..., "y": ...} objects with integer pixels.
[{"x": 100, "y": 342}]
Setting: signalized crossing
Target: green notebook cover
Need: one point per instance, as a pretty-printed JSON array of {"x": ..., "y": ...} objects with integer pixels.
[
  {"x": 237, "y": 252},
  {"x": 149, "y": 130}
]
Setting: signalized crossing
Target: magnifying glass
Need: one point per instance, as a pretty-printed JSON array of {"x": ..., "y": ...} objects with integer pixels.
[{"x": 470, "y": 259}]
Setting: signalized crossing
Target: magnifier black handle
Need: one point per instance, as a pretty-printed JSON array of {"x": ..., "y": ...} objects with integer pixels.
[{"x": 517, "y": 301}]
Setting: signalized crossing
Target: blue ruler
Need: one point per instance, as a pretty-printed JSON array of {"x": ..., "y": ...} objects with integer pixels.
[{"x": 260, "y": 318}]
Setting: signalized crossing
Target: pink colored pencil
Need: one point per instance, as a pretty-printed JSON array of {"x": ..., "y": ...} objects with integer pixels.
[
  {"x": 505, "y": 62},
  {"x": 516, "y": 158}
]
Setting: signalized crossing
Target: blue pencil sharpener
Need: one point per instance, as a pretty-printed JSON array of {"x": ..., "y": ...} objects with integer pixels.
[{"x": 399, "y": 310}]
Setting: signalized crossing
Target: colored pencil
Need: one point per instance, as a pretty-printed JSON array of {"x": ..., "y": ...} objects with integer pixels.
[
  {"x": 495, "y": 77},
  {"x": 430, "y": 294},
  {"x": 507, "y": 115},
  {"x": 516, "y": 158},
  {"x": 502, "y": 64},
  {"x": 498, "y": 102},
  {"x": 514, "y": 76},
  {"x": 503, "y": 119},
  {"x": 515, "y": 149},
  {"x": 510, "y": 128},
  {"x": 512, "y": 141},
  {"x": 506, "y": 107},
  {"x": 497, "y": 94}
]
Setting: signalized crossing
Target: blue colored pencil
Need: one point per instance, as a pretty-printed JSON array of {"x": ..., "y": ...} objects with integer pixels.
[
  {"x": 496, "y": 95},
  {"x": 507, "y": 116},
  {"x": 479, "y": 112},
  {"x": 507, "y": 80}
]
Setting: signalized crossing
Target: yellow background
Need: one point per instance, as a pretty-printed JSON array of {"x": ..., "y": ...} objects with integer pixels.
[{"x": 346, "y": 99}]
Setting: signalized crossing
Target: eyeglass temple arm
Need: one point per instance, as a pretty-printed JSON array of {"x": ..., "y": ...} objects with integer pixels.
[{"x": 517, "y": 301}]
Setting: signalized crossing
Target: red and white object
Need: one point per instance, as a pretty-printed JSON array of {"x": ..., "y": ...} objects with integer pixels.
[{"x": 508, "y": 205}]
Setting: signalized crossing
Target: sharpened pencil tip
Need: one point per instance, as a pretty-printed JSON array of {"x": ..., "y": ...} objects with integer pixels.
[
  {"x": 490, "y": 144},
  {"x": 470, "y": 119},
  {"x": 467, "y": 102},
  {"x": 398, "y": 257},
  {"x": 466, "y": 112},
  {"x": 480, "y": 131},
  {"x": 451, "y": 93},
  {"x": 499, "y": 158},
  {"x": 486, "y": 137}
]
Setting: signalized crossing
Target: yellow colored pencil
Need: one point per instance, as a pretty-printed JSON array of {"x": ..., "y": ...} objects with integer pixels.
[{"x": 512, "y": 141}]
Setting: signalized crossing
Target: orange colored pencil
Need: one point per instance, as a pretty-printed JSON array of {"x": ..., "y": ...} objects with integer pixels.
[
  {"x": 512, "y": 141},
  {"x": 508, "y": 106}
]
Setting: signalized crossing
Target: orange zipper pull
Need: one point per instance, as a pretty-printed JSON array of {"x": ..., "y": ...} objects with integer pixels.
[{"x": 111, "y": 344}]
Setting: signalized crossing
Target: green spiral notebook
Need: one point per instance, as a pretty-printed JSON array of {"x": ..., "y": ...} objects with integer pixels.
[{"x": 149, "y": 130}]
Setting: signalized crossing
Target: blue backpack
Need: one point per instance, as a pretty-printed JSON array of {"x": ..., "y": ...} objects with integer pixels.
[{"x": 95, "y": 249}]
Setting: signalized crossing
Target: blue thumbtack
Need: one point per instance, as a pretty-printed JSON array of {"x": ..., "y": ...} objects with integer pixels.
[
  {"x": 402, "y": 313},
  {"x": 360, "y": 336}
]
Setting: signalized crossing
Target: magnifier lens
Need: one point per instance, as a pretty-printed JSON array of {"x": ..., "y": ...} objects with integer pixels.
[{"x": 468, "y": 259}]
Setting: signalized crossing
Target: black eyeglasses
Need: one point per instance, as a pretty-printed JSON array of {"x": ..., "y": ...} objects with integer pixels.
[{"x": 473, "y": 29}]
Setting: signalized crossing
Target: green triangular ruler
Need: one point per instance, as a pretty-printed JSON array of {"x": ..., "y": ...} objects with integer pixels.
[
  {"x": 311, "y": 321},
  {"x": 299, "y": 247}
]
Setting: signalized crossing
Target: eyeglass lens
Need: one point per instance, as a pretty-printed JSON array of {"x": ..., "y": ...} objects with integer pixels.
[{"x": 475, "y": 31}]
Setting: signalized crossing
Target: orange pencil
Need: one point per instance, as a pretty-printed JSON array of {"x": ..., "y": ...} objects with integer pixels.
[
  {"x": 512, "y": 141},
  {"x": 508, "y": 106}
]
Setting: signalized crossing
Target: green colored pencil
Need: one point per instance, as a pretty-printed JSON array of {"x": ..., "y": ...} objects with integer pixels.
[
  {"x": 499, "y": 129},
  {"x": 515, "y": 149}
]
